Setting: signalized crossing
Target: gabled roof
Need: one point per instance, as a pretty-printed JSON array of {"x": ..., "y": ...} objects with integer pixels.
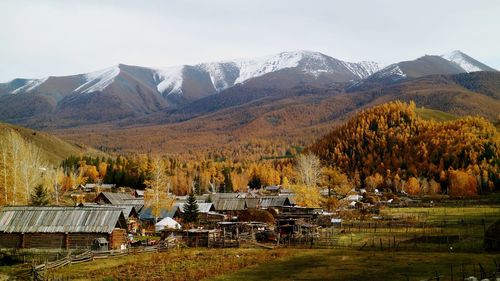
[
  {"x": 127, "y": 210},
  {"x": 147, "y": 213},
  {"x": 22, "y": 219},
  {"x": 230, "y": 204},
  {"x": 115, "y": 198},
  {"x": 274, "y": 201},
  {"x": 202, "y": 207}
]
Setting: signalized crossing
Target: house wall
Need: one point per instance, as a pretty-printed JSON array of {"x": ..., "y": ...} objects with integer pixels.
[
  {"x": 9, "y": 240},
  {"x": 50, "y": 240},
  {"x": 84, "y": 240},
  {"x": 44, "y": 240}
]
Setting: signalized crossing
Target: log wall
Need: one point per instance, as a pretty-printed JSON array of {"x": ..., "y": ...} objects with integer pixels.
[{"x": 54, "y": 240}]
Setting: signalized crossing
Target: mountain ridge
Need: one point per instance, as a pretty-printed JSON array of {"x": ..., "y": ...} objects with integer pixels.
[{"x": 127, "y": 92}]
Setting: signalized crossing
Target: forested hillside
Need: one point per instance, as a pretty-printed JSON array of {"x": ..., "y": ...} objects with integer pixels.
[
  {"x": 29, "y": 159},
  {"x": 389, "y": 146}
]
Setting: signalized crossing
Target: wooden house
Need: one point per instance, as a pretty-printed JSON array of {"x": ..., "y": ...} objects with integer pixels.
[
  {"x": 61, "y": 227},
  {"x": 129, "y": 212},
  {"x": 230, "y": 206}
]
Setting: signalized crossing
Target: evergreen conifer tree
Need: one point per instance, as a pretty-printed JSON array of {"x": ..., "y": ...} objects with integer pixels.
[
  {"x": 191, "y": 209},
  {"x": 40, "y": 196}
]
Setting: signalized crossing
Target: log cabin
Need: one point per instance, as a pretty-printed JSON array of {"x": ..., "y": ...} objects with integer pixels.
[{"x": 61, "y": 227}]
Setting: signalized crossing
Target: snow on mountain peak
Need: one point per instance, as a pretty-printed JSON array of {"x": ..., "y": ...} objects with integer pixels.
[
  {"x": 259, "y": 66},
  {"x": 29, "y": 86},
  {"x": 462, "y": 60},
  {"x": 98, "y": 80},
  {"x": 222, "y": 74},
  {"x": 363, "y": 69},
  {"x": 170, "y": 79}
]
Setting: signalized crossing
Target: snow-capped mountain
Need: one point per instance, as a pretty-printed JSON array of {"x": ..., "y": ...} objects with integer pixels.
[
  {"x": 213, "y": 77},
  {"x": 452, "y": 63},
  {"x": 123, "y": 91},
  {"x": 223, "y": 75},
  {"x": 466, "y": 62}
]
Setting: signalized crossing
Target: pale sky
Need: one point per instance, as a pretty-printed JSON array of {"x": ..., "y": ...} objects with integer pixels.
[{"x": 39, "y": 38}]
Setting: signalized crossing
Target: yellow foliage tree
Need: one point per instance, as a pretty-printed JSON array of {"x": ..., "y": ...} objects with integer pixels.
[
  {"x": 305, "y": 196},
  {"x": 412, "y": 186},
  {"x": 156, "y": 195},
  {"x": 462, "y": 184}
]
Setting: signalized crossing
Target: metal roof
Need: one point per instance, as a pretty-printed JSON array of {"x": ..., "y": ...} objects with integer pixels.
[
  {"x": 117, "y": 198},
  {"x": 22, "y": 219},
  {"x": 121, "y": 199},
  {"x": 252, "y": 203},
  {"x": 126, "y": 209},
  {"x": 238, "y": 204},
  {"x": 230, "y": 204},
  {"x": 202, "y": 207},
  {"x": 147, "y": 213},
  {"x": 274, "y": 201}
]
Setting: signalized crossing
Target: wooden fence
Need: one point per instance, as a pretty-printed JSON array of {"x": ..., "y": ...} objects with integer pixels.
[{"x": 39, "y": 272}]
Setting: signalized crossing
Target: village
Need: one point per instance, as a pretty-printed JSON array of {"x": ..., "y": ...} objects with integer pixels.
[{"x": 117, "y": 222}]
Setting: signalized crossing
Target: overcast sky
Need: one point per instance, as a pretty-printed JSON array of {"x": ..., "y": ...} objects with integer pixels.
[{"x": 39, "y": 38}]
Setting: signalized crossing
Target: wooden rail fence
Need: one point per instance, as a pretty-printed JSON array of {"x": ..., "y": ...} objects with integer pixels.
[{"x": 38, "y": 272}]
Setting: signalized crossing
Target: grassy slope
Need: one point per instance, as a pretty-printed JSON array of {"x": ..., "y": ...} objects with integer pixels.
[
  {"x": 180, "y": 264},
  {"x": 53, "y": 147},
  {"x": 431, "y": 114}
]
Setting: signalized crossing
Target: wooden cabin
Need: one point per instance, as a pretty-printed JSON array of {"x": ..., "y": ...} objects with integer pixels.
[{"x": 61, "y": 227}]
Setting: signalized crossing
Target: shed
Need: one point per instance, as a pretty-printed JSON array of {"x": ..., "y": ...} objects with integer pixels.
[
  {"x": 199, "y": 237},
  {"x": 61, "y": 227},
  {"x": 167, "y": 223}
]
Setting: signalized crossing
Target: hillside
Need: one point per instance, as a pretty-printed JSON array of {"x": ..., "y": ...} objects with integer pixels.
[
  {"x": 295, "y": 115},
  {"x": 390, "y": 143},
  {"x": 126, "y": 91},
  {"x": 53, "y": 149}
]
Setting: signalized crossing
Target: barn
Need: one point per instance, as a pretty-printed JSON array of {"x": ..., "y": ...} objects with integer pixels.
[{"x": 61, "y": 227}]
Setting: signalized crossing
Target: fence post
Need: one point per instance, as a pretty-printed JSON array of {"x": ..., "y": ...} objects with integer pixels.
[{"x": 451, "y": 272}]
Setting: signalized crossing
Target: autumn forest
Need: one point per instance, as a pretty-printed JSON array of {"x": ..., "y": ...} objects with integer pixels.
[{"x": 387, "y": 147}]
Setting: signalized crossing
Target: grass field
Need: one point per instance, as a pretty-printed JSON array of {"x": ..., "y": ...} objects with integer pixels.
[
  {"x": 422, "y": 229},
  {"x": 179, "y": 264},
  {"x": 431, "y": 114},
  {"x": 278, "y": 264},
  {"x": 363, "y": 265}
]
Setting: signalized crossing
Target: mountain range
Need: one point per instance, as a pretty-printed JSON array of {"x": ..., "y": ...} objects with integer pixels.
[{"x": 290, "y": 93}]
